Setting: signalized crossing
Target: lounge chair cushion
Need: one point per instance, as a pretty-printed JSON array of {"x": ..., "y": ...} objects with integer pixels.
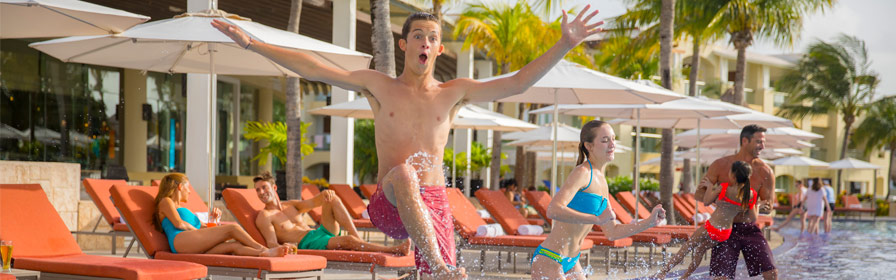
[
  {"x": 114, "y": 267},
  {"x": 502, "y": 210},
  {"x": 466, "y": 219},
  {"x": 98, "y": 189},
  {"x": 274, "y": 264},
  {"x": 368, "y": 189},
  {"x": 31, "y": 222},
  {"x": 309, "y": 192},
  {"x": 350, "y": 199}
]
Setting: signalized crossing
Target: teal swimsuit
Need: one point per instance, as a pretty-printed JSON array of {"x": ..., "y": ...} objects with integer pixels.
[
  {"x": 587, "y": 203},
  {"x": 171, "y": 231}
]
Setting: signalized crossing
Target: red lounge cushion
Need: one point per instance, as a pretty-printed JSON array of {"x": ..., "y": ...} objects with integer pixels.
[
  {"x": 381, "y": 259},
  {"x": 350, "y": 199},
  {"x": 274, "y": 264},
  {"x": 114, "y": 267}
]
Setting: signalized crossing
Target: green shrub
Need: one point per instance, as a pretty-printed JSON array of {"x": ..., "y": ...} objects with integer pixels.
[
  {"x": 625, "y": 183},
  {"x": 883, "y": 207}
]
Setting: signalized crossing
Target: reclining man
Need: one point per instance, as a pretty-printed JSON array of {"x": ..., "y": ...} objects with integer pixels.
[{"x": 281, "y": 222}]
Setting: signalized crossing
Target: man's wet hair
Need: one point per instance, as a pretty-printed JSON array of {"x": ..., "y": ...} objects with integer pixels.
[
  {"x": 748, "y": 131},
  {"x": 415, "y": 17}
]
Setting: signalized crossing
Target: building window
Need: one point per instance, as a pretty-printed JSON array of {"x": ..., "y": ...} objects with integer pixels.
[
  {"x": 55, "y": 111},
  {"x": 165, "y": 128},
  {"x": 780, "y": 98}
]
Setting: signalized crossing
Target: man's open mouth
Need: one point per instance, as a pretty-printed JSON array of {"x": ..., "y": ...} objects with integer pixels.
[{"x": 423, "y": 58}]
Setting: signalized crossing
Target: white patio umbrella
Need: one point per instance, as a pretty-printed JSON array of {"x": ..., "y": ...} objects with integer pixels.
[
  {"x": 686, "y": 107},
  {"x": 851, "y": 163},
  {"x": 799, "y": 161},
  {"x": 570, "y": 83},
  {"x": 468, "y": 117},
  {"x": 731, "y": 136},
  {"x": 189, "y": 44},
  {"x": 60, "y": 18}
]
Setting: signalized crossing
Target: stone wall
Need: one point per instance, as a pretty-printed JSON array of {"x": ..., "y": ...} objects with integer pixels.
[{"x": 59, "y": 180}]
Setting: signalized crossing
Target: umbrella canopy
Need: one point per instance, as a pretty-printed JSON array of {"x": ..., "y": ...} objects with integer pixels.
[
  {"x": 731, "y": 136},
  {"x": 576, "y": 84},
  {"x": 181, "y": 45},
  {"x": 188, "y": 43},
  {"x": 469, "y": 116},
  {"x": 687, "y": 107},
  {"x": 735, "y": 121},
  {"x": 60, "y": 18},
  {"x": 799, "y": 161},
  {"x": 851, "y": 163},
  {"x": 567, "y": 137}
]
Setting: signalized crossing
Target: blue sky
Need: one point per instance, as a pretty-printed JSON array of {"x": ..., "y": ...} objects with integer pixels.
[{"x": 869, "y": 20}]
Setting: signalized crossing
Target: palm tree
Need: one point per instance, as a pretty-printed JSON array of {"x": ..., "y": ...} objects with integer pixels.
[
  {"x": 878, "y": 130},
  {"x": 778, "y": 20},
  {"x": 667, "y": 178},
  {"x": 831, "y": 77},
  {"x": 294, "y": 166},
  {"x": 381, "y": 37}
]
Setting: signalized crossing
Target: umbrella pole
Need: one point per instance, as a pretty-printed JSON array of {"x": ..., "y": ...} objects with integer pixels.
[
  {"x": 699, "y": 168},
  {"x": 210, "y": 191},
  {"x": 454, "y": 158},
  {"x": 637, "y": 161},
  {"x": 554, "y": 186}
]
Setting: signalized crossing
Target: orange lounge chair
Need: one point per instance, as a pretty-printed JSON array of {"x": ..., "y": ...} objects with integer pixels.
[
  {"x": 244, "y": 205},
  {"x": 676, "y": 232},
  {"x": 353, "y": 203},
  {"x": 367, "y": 190},
  {"x": 42, "y": 242},
  {"x": 851, "y": 204},
  {"x": 136, "y": 205},
  {"x": 98, "y": 189},
  {"x": 364, "y": 225},
  {"x": 467, "y": 220}
]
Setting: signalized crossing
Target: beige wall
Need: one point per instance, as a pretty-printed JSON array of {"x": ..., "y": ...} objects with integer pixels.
[
  {"x": 134, "y": 125},
  {"x": 59, "y": 180}
]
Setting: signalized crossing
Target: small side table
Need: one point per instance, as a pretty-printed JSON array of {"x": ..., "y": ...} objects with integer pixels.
[{"x": 23, "y": 274}]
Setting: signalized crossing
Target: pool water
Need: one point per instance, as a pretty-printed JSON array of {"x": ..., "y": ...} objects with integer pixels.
[{"x": 852, "y": 250}]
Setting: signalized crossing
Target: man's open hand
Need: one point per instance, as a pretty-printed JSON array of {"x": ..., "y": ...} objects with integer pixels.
[
  {"x": 235, "y": 33},
  {"x": 579, "y": 29}
]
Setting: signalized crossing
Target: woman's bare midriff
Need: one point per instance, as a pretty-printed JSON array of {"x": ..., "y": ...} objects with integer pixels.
[{"x": 568, "y": 238}]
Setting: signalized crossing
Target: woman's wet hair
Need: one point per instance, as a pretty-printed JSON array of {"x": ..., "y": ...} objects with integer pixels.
[
  {"x": 586, "y": 136},
  {"x": 742, "y": 172},
  {"x": 166, "y": 189}
]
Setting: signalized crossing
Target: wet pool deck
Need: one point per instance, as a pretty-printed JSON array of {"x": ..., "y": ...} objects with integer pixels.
[{"x": 636, "y": 267}]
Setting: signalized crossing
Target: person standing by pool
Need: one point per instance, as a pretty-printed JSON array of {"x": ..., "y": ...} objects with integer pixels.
[
  {"x": 581, "y": 203},
  {"x": 413, "y": 114},
  {"x": 832, "y": 200},
  {"x": 745, "y": 237},
  {"x": 798, "y": 208},
  {"x": 816, "y": 204}
]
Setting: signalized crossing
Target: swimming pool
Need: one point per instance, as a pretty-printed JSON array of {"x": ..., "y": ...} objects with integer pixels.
[{"x": 853, "y": 250}]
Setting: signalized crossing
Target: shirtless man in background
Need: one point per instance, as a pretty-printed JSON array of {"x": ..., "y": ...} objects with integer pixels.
[
  {"x": 745, "y": 235},
  {"x": 412, "y": 115}
]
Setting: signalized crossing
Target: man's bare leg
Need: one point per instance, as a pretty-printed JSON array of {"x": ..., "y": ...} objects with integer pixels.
[
  {"x": 402, "y": 188},
  {"x": 770, "y": 275},
  {"x": 335, "y": 214},
  {"x": 353, "y": 243}
]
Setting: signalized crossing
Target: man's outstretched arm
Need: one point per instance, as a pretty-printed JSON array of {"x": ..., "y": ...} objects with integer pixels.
[
  {"x": 303, "y": 64},
  {"x": 573, "y": 34}
]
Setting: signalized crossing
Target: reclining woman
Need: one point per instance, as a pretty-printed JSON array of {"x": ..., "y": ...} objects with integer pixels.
[
  {"x": 580, "y": 203},
  {"x": 718, "y": 228},
  {"x": 186, "y": 233}
]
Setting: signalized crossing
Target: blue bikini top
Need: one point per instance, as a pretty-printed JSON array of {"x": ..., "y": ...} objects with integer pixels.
[{"x": 588, "y": 203}]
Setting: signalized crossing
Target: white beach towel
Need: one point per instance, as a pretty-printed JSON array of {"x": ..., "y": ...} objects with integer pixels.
[
  {"x": 490, "y": 230},
  {"x": 530, "y": 230}
]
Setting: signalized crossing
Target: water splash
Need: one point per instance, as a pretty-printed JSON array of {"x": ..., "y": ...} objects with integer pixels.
[{"x": 423, "y": 163}]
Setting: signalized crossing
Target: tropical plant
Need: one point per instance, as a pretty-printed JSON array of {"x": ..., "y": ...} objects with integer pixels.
[
  {"x": 366, "y": 164},
  {"x": 481, "y": 158},
  {"x": 275, "y": 133},
  {"x": 777, "y": 20},
  {"x": 831, "y": 77},
  {"x": 625, "y": 183},
  {"x": 878, "y": 130}
]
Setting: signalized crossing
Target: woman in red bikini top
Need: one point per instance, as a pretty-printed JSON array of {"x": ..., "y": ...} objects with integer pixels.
[{"x": 730, "y": 202}]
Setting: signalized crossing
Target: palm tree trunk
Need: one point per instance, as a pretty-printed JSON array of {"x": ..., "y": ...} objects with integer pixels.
[
  {"x": 667, "y": 179},
  {"x": 294, "y": 166},
  {"x": 437, "y": 9},
  {"x": 892, "y": 171},
  {"x": 686, "y": 181},
  {"x": 520, "y": 169},
  {"x": 739, "y": 73},
  {"x": 848, "y": 119},
  {"x": 495, "y": 167},
  {"x": 383, "y": 43}
]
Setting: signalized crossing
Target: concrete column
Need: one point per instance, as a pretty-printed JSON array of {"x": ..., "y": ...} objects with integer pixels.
[
  {"x": 723, "y": 70},
  {"x": 265, "y": 106},
  {"x": 464, "y": 136},
  {"x": 342, "y": 129},
  {"x": 199, "y": 164},
  {"x": 134, "y": 125},
  {"x": 484, "y": 68}
]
